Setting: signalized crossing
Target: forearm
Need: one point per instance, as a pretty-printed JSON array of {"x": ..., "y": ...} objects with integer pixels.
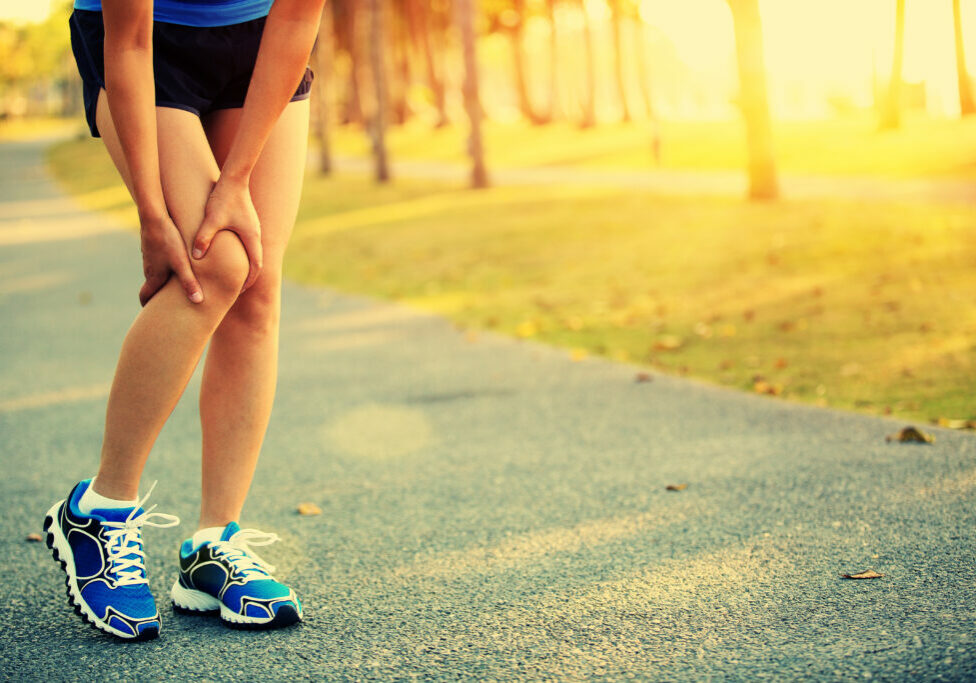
[
  {"x": 286, "y": 44},
  {"x": 131, "y": 96}
]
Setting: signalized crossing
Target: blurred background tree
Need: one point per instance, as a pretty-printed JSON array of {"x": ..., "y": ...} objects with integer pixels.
[{"x": 391, "y": 69}]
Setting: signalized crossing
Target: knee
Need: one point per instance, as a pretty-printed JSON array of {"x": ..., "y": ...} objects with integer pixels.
[
  {"x": 258, "y": 310},
  {"x": 223, "y": 269}
]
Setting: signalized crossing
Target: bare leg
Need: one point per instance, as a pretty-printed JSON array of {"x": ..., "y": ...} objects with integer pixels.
[
  {"x": 169, "y": 334},
  {"x": 240, "y": 372}
]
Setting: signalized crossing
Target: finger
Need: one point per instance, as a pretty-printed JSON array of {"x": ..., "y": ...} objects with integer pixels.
[
  {"x": 255, "y": 257},
  {"x": 204, "y": 236},
  {"x": 194, "y": 292},
  {"x": 149, "y": 288}
]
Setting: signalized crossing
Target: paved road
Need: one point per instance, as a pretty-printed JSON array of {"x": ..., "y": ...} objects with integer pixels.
[
  {"x": 491, "y": 509},
  {"x": 695, "y": 183}
]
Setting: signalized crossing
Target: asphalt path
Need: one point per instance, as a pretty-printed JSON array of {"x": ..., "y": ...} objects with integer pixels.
[{"x": 491, "y": 509}]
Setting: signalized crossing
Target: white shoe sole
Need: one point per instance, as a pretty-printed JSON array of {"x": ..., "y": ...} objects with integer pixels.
[{"x": 188, "y": 600}]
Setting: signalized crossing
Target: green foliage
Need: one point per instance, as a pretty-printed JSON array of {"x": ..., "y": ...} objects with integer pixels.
[{"x": 35, "y": 52}]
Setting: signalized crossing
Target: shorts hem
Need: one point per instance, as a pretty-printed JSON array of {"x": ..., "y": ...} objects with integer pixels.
[{"x": 179, "y": 105}]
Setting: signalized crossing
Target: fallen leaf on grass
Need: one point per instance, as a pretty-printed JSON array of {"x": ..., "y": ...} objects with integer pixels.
[
  {"x": 527, "y": 329},
  {"x": 910, "y": 434},
  {"x": 668, "y": 342},
  {"x": 867, "y": 574},
  {"x": 643, "y": 377},
  {"x": 309, "y": 509},
  {"x": 780, "y": 363},
  {"x": 703, "y": 330},
  {"x": 676, "y": 487},
  {"x": 573, "y": 322},
  {"x": 950, "y": 423},
  {"x": 763, "y": 387},
  {"x": 727, "y": 330},
  {"x": 33, "y": 538}
]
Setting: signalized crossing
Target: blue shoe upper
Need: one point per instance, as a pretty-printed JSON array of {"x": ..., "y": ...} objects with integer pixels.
[
  {"x": 232, "y": 572},
  {"x": 108, "y": 554}
]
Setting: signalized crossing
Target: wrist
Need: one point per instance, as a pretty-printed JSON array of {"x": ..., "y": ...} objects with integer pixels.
[
  {"x": 151, "y": 213},
  {"x": 231, "y": 175}
]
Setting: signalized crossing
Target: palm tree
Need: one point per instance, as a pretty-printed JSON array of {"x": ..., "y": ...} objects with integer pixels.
[
  {"x": 419, "y": 24},
  {"x": 966, "y": 105},
  {"x": 891, "y": 110},
  {"x": 377, "y": 39},
  {"x": 641, "y": 49},
  {"x": 753, "y": 99},
  {"x": 472, "y": 99},
  {"x": 400, "y": 54},
  {"x": 618, "y": 60},
  {"x": 553, "y": 111},
  {"x": 589, "y": 101},
  {"x": 347, "y": 29},
  {"x": 322, "y": 60},
  {"x": 518, "y": 62}
]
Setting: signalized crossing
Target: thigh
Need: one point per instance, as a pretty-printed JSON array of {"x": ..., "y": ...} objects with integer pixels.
[
  {"x": 276, "y": 181},
  {"x": 187, "y": 166}
]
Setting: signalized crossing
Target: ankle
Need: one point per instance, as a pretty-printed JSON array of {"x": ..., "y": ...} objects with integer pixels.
[
  {"x": 92, "y": 499},
  {"x": 110, "y": 487}
]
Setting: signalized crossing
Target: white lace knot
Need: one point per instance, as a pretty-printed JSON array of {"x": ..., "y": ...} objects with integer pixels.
[
  {"x": 125, "y": 554},
  {"x": 237, "y": 549}
]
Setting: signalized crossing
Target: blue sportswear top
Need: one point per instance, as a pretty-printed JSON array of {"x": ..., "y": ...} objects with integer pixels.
[{"x": 198, "y": 12}]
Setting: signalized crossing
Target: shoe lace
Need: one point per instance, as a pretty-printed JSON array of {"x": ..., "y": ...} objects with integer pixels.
[
  {"x": 125, "y": 542},
  {"x": 237, "y": 549}
]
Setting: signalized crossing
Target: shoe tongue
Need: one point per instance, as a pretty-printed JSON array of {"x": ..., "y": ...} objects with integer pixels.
[
  {"x": 229, "y": 531},
  {"x": 114, "y": 514}
]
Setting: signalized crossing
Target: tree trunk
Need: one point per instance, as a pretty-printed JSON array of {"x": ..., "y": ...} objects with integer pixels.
[
  {"x": 400, "y": 71},
  {"x": 589, "y": 100},
  {"x": 322, "y": 60},
  {"x": 891, "y": 112},
  {"x": 645, "y": 90},
  {"x": 753, "y": 99},
  {"x": 618, "y": 60},
  {"x": 377, "y": 31},
  {"x": 434, "y": 79},
  {"x": 554, "y": 108},
  {"x": 472, "y": 99},
  {"x": 642, "y": 77},
  {"x": 518, "y": 62},
  {"x": 966, "y": 105},
  {"x": 349, "y": 21}
]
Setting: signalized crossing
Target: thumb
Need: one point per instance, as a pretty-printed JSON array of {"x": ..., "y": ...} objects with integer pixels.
[
  {"x": 205, "y": 234},
  {"x": 188, "y": 280}
]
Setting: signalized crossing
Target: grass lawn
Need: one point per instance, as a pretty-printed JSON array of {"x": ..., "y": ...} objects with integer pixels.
[
  {"x": 851, "y": 146},
  {"x": 860, "y": 306},
  {"x": 36, "y": 126}
]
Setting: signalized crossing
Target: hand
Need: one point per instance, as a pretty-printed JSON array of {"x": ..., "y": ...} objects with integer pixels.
[
  {"x": 230, "y": 208},
  {"x": 163, "y": 253}
]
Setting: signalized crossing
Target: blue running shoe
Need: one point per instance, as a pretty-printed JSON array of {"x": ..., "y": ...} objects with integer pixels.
[
  {"x": 103, "y": 557},
  {"x": 228, "y": 577}
]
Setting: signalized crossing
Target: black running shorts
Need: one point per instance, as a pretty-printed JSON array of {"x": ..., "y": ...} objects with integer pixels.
[{"x": 198, "y": 69}]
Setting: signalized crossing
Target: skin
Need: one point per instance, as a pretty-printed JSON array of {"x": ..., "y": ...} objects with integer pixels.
[{"x": 230, "y": 190}]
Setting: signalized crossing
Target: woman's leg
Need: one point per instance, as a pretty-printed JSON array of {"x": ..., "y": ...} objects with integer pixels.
[
  {"x": 169, "y": 334},
  {"x": 240, "y": 371}
]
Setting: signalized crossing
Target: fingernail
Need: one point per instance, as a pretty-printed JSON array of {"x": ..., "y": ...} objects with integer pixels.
[
  {"x": 197, "y": 253},
  {"x": 196, "y": 297}
]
